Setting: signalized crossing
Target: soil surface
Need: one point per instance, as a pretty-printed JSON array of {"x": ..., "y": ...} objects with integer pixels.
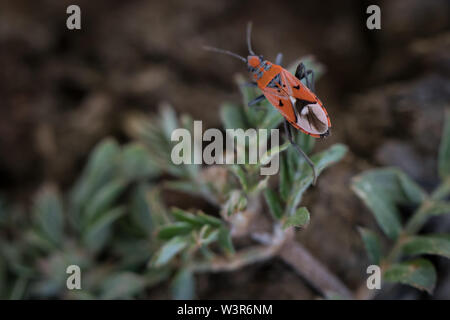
[{"x": 386, "y": 91}]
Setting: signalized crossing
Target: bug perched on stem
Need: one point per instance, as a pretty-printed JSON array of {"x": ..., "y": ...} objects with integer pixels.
[{"x": 297, "y": 103}]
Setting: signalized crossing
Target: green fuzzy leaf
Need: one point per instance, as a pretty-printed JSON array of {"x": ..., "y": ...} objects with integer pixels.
[
  {"x": 372, "y": 245},
  {"x": 274, "y": 203},
  {"x": 38, "y": 239},
  {"x": 304, "y": 177},
  {"x": 101, "y": 226},
  {"x": 183, "y": 285},
  {"x": 102, "y": 154},
  {"x": 305, "y": 141},
  {"x": 438, "y": 244},
  {"x": 137, "y": 163},
  {"x": 248, "y": 92},
  {"x": 242, "y": 177},
  {"x": 13, "y": 255},
  {"x": 122, "y": 285},
  {"x": 184, "y": 216},
  {"x": 269, "y": 154},
  {"x": 48, "y": 214},
  {"x": 330, "y": 156},
  {"x": 55, "y": 274},
  {"x": 160, "y": 214},
  {"x": 385, "y": 212},
  {"x": 272, "y": 118},
  {"x": 294, "y": 162},
  {"x": 155, "y": 134},
  {"x": 232, "y": 117},
  {"x": 225, "y": 240},
  {"x": 207, "y": 219},
  {"x": 185, "y": 186},
  {"x": 259, "y": 186},
  {"x": 140, "y": 210},
  {"x": 103, "y": 200},
  {"x": 103, "y": 165},
  {"x": 285, "y": 178},
  {"x": 382, "y": 190},
  {"x": 444, "y": 149},
  {"x": 133, "y": 251},
  {"x": 418, "y": 273},
  {"x": 168, "y": 251},
  {"x": 414, "y": 194},
  {"x": 208, "y": 235},
  {"x": 175, "y": 229},
  {"x": 299, "y": 219},
  {"x": 236, "y": 202},
  {"x": 437, "y": 208},
  {"x": 442, "y": 191},
  {"x": 168, "y": 120}
]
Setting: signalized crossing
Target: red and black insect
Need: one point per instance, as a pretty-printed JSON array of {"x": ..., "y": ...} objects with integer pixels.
[{"x": 296, "y": 102}]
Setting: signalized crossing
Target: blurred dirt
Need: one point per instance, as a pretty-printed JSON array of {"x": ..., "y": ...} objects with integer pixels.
[{"x": 386, "y": 90}]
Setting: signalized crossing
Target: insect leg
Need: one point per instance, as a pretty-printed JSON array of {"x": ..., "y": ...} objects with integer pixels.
[
  {"x": 310, "y": 83},
  {"x": 288, "y": 132},
  {"x": 249, "y": 84},
  {"x": 302, "y": 73},
  {"x": 257, "y": 100},
  {"x": 279, "y": 59}
]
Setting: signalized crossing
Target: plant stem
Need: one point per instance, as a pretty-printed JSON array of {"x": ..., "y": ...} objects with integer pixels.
[
  {"x": 414, "y": 224},
  {"x": 313, "y": 271},
  {"x": 420, "y": 216},
  {"x": 418, "y": 219},
  {"x": 443, "y": 191},
  {"x": 304, "y": 263},
  {"x": 238, "y": 261}
]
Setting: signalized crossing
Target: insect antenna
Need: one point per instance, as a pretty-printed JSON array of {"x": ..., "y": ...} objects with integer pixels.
[
  {"x": 225, "y": 52},
  {"x": 249, "y": 39}
]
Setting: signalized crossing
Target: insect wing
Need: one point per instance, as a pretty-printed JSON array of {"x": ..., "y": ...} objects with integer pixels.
[
  {"x": 295, "y": 88},
  {"x": 282, "y": 102}
]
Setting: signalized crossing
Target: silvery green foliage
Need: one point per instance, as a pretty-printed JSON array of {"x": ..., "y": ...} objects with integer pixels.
[
  {"x": 114, "y": 224},
  {"x": 383, "y": 191}
]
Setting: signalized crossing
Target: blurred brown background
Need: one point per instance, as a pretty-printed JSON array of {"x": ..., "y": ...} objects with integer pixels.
[{"x": 61, "y": 91}]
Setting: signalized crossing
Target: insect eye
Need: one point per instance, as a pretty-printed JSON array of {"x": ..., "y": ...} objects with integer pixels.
[{"x": 261, "y": 57}]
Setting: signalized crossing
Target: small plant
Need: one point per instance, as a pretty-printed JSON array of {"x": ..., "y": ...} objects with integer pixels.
[
  {"x": 189, "y": 238},
  {"x": 383, "y": 191},
  {"x": 115, "y": 225},
  {"x": 98, "y": 225}
]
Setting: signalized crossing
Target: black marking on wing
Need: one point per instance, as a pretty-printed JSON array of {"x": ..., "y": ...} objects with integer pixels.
[
  {"x": 303, "y": 103},
  {"x": 280, "y": 103},
  {"x": 296, "y": 115},
  {"x": 296, "y": 87}
]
